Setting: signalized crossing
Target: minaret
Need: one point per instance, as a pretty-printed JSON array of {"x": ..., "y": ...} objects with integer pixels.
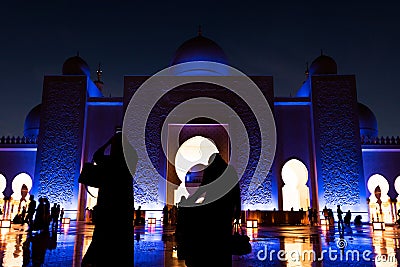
[
  {"x": 307, "y": 71},
  {"x": 99, "y": 83}
]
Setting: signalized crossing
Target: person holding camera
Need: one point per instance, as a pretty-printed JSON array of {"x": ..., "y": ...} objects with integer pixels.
[{"x": 115, "y": 193}]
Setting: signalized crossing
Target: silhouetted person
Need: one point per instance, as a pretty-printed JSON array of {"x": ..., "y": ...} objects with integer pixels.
[
  {"x": 39, "y": 217},
  {"x": 325, "y": 212},
  {"x": 138, "y": 216},
  {"x": 165, "y": 215},
  {"x": 24, "y": 192},
  {"x": 30, "y": 212},
  {"x": 54, "y": 215},
  {"x": 42, "y": 217},
  {"x": 315, "y": 216},
  {"x": 330, "y": 216},
  {"x": 357, "y": 220},
  {"x": 310, "y": 216},
  {"x": 179, "y": 229},
  {"x": 61, "y": 214},
  {"x": 340, "y": 218},
  {"x": 173, "y": 214},
  {"x": 208, "y": 223},
  {"x": 347, "y": 218},
  {"x": 23, "y": 215},
  {"x": 115, "y": 193},
  {"x": 47, "y": 218}
]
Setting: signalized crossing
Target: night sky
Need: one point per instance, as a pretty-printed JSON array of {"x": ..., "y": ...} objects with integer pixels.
[{"x": 140, "y": 37}]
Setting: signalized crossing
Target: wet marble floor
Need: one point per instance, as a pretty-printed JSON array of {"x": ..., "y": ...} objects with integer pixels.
[
  {"x": 155, "y": 246},
  {"x": 63, "y": 247},
  {"x": 284, "y": 246}
]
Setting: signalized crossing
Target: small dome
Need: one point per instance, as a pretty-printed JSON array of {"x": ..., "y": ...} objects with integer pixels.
[
  {"x": 75, "y": 66},
  {"x": 367, "y": 121},
  {"x": 32, "y": 122},
  {"x": 323, "y": 65},
  {"x": 199, "y": 48}
]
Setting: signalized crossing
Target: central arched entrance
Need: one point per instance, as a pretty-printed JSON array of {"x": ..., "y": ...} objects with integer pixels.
[
  {"x": 295, "y": 192},
  {"x": 217, "y": 133}
]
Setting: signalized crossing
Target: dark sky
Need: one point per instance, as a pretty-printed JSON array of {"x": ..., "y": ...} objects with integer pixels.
[{"x": 140, "y": 37}]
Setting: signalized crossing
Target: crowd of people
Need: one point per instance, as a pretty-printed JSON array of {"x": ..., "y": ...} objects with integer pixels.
[{"x": 39, "y": 216}]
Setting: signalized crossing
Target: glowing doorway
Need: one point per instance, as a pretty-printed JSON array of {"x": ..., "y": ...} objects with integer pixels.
[
  {"x": 3, "y": 184},
  {"x": 192, "y": 157},
  {"x": 379, "y": 205},
  {"x": 295, "y": 192},
  {"x": 19, "y": 181},
  {"x": 216, "y": 138}
]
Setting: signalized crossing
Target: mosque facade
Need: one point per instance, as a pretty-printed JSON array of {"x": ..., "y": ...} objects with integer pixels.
[{"x": 328, "y": 151}]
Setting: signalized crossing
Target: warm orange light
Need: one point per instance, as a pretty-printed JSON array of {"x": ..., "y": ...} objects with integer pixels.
[
  {"x": 324, "y": 222},
  {"x": 378, "y": 226},
  {"x": 5, "y": 223},
  {"x": 152, "y": 221},
  {"x": 66, "y": 220},
  {"x": 252, "y": 224}
]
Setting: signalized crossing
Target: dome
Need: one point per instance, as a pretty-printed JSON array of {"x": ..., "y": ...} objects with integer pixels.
[
  {"x": 32, "y": 122},
  {"x": 199, "y": 48},
  {"x": 367, "y": 121},
  {"x": 323, "y": 65},
  {"x": 75, "y": 66}
]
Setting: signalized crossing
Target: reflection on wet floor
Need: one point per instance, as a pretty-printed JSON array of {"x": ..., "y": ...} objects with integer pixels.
[
  {"x": 63, "y": 247},
  {"x": 155, "y": 246},
  {"x": 284, "y": 246}
]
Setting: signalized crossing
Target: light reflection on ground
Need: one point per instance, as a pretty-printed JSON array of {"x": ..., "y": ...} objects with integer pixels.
[
  {"x": 64, "y": 247},
  {"x": 155, "y": 246},
  {"x": 303, "y": 245}
]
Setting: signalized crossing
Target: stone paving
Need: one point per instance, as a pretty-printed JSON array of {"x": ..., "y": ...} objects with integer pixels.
[{"x": 154, "y": 246}]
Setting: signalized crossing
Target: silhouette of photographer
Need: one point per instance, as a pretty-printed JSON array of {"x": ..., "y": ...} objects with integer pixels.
[
  {"x": 115, "y": 192},
  {"x": 206, "y": 229}
]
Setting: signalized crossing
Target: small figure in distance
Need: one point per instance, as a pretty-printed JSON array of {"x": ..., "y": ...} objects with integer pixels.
[
  {"x": 347, "y": 218},
  {"x": 310, "y": 216},
  {"x": 357, "y": 220},
  {"x": 340, "y": 218},
  {"x": 165, "y": 215},
  {"x": 30, "y": 212}
]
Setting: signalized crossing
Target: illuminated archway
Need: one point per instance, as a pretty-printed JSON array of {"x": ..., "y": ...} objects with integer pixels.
[
  {"x": 295, "y": 192},
  {"x": 3, "y": 184},
  {"x": 396, "y": 205},
  {"x": 21, "y": 186},
  {"x": 379, "y": 205},
  {"x": 18, "y": 182},
  {"x": 193, "y": 154},
  {"x": 397, "y": 188}
]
